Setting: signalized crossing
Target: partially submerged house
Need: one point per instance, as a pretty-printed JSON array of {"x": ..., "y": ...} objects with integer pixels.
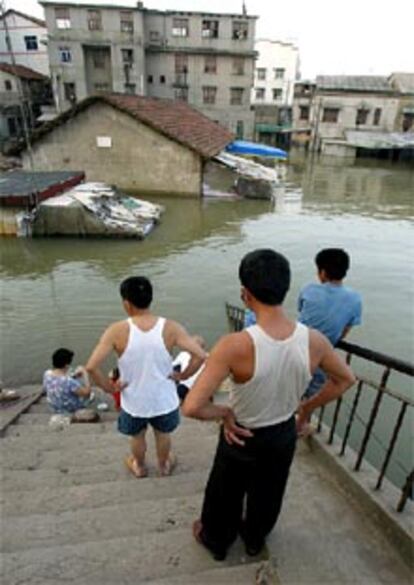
[{"x": 140, "y": 144}]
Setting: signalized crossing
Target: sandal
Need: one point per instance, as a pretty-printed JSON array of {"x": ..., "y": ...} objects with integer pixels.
[{"x": 169, "y": 466}]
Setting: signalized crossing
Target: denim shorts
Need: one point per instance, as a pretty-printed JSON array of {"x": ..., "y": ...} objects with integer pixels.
[{"x": 133, "y": 425}]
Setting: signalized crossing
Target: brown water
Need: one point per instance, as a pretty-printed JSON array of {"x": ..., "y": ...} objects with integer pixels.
[{"x": 63, "y": 292}]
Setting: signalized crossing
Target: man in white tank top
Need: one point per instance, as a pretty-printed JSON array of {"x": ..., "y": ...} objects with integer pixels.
[
  {"x": 271, "y": 364},
  {"x": 143, "y": 344}
]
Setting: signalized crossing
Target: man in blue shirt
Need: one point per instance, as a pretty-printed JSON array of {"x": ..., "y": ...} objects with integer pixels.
[{"x": 329, "y": 306}]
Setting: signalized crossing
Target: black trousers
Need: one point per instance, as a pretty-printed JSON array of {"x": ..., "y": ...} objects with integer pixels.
[{"x": 246, "y": 485}]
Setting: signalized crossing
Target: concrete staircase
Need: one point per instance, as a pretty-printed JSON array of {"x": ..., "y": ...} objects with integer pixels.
[{"x": 72, "y": 513}]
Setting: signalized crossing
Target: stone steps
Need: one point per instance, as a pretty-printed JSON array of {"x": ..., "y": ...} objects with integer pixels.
[
  {"x": 56, "y": 499},
  {"x": 125, "y": 560}
]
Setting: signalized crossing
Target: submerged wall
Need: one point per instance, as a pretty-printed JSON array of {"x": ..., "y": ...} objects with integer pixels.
[{"x": 112, "y": 147}]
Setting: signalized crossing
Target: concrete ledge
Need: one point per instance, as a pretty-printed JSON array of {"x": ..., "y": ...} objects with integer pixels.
[{"x": 379, "y": 505}]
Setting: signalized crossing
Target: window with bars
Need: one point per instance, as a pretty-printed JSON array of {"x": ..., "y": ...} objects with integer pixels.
[
  {"x": 181, "y": 94},
  {"x": 303, "y": 112},
  {"x": 65, "y": 55},
  {"x": 101, "y": 87},
  {"x": 31, "y": 43},
  {"x": 240, "y": 30},
  {"x": 127, "y": 56},
  {"x": 98, "y": 58},
  {"x": 94, "y": 20},
  {"x": 276, "y": 93},
  {"x": 330, "y": 115},
  {"x": 279, "y": 73},
  {"x": 261, "y": 73},
  {"x": 8, "y": 85},
  {"x": 210, "y": 64},
  {"x": 209, "y": 94},
  {"x": 181, "y": 63},
  {"x": 62, "y": 18},
  {"x": 236, "y": 96},
  {"x": 210, "y": 29},
  {"x": 127, "y": 21},
  {"x": 260, "y": 93},
  {"x": 238, "y": 66},
  {"x": 180, "y": 27}
]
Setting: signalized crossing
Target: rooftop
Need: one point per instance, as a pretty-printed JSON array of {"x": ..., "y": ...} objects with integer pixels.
[
  {"x": 35, "y": 20},
  {"x": 174, "y": 119},
  {"x": 353, "y": 83},
  {"x": 22, "y": 72},
  {"x": 404, "y": 82}
]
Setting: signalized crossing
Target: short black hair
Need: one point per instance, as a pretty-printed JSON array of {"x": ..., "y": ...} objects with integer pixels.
[
  {"x": 266, "y": 274},
  {"x": 62, "y": 357},
  {"x": 334, "y": 261},
  {"x": 137, "y": 290}
]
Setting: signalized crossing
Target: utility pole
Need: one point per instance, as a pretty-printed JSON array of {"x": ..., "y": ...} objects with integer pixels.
[{"x": 20, "y": 91}]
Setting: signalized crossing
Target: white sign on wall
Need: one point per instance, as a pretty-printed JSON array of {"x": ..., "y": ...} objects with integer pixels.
[{"x": 104, "y": 142}]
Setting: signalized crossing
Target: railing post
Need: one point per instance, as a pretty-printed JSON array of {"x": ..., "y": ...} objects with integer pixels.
[
  {"x": 372, "y": 418},
  {"x": 319, "y": 427},
  {"x": 335, "y": 420},
  {"x": 351, "y": 416},
  {"x": 405, "y": 492},
  {"x": 392, "y": 444}
]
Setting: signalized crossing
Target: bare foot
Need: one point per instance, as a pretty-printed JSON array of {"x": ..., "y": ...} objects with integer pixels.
[
  {"x": 169, "y": 466},
  {"x": 137, "y": 470}
]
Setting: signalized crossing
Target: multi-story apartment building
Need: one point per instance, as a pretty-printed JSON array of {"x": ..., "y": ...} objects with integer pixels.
[
  {"x": 205, "y": 59},
  {"x": 27, "y": 36},
  {"x": 336, "y": 105},
  {"x": 277, "y": 69}
]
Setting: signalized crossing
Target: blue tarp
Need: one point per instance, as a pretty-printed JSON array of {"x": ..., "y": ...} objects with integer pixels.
[{"x": 255, "y": 149}]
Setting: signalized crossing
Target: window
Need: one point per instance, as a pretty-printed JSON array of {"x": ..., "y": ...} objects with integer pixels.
[
  {"x": 240, "y": 30},
  {"x": 377, "y": 116},
  {"x": 181, "y": 63},
  {"x": 236, "y": 96},
  {"x": 361, "y": 116},
  {"x": 276, "y": 93},
  {"x": 330, "y": 115},
  {"x": 65, "y": 55},
  {"x": 154, "y": 36},
  {"x": 407, "y": 122},
  {"x": 162, "y": 78},
  {"x": 150, "y": 78},
  {"x": 94, "y": 20},
  {"x": 62, "y": 18},
  {"x": 303, "y": 112},
  {"x": 130, "y": 88},
  {"x": 8, "y": 85},
  {"x": 31, "y": 43},
  {"x": 98, "y": 58},
  {"x": 238, "y": 66},
  {"x": 69, "y": 91},
  {"x": 279, "y": 73},
  {"x": 210, "y": 64},
  {"x": 127, "y": 21},
  {"x": 209, "y": 94},
  {"x": 182, "y": 94},
  {"x": 180, "y": 27},
  {"x": 261, "y": 73},
  {"x": 101, "y": 87},
  {"x": 210, "y": 29},
  {"x": 260, "y": 93},
  {"x": 127, "y": 56}
]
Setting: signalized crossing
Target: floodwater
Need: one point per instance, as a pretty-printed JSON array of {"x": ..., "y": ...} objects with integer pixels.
[{"x": 63, "y": 292}]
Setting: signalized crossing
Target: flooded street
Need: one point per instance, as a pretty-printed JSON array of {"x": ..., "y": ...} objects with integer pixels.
[{"x": 63, "y": 292}]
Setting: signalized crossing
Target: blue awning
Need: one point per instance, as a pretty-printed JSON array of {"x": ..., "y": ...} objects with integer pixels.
[{"x": 255, "y": 149}]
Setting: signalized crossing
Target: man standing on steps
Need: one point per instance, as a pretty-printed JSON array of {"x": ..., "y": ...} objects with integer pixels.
[
  {"x": 271, "y": 364},
  {"x": 143, "y": 344}
]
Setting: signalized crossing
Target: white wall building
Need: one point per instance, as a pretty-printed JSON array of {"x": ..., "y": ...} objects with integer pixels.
[
  {"x": 28, "y": 37},
  {"x": 277, "y": 68}
]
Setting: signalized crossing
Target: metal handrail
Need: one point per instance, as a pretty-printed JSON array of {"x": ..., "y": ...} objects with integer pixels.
[{"x": 235, "y": 317}]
